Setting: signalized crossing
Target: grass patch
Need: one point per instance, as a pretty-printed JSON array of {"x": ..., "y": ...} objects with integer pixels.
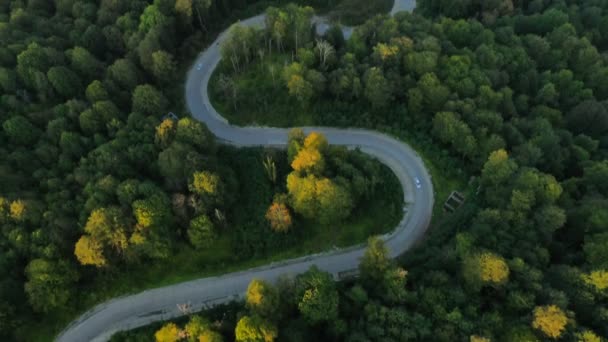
[{"x": 261, "y": 99}]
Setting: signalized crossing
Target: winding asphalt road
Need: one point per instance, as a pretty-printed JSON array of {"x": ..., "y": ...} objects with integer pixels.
[{"x": 133, "y": 311}]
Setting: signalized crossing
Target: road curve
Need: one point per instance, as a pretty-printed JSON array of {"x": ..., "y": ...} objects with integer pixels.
[{"x": 128, "y": 312}]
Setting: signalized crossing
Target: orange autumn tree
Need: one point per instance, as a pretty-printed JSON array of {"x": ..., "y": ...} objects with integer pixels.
[{"x": 279, "y": 217}]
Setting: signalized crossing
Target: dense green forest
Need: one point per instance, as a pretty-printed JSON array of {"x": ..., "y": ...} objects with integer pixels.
[
  {"x": 94, "y": 184},
  {"x": 516, "y": 92},
  {"x": 103, "y": 193}
]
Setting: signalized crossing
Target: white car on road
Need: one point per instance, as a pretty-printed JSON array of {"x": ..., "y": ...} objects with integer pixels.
[
  {"x": 418, "y": 185},
  {"x": 199, "y": 66}
]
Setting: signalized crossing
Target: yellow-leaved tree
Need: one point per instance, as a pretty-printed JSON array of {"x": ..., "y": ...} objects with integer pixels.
[
  {"x": 312, "y": 195},
  {"x": 210, "y": 336},
  {"x": 255, "y": 328},
  {"x": 319, "y": 198},
  {"x": 18, "y": 209},
  {"x": 587, "y": 336},
  {"x": 168, "y": 333},
  {"x": 597, "y": 279},
  {"x": 385, "y": 51},
  {"x": 309, "y": 160},
  {"x": 476, "y": 338},
  {"x": 105, "y": 228},
  {"x": 209, "y": 188},
  {"x": 89, "y": 251},
  {"x": 302, "y": 193},
  {"x": 317, "y": 141},
  {"x": 262, "y": 298},
  {"x": 205, "y": 183},
  {"x": 165, "y": 133},
  {"x": 550, "y": 320},
  {"x": 485, "y": 269}
]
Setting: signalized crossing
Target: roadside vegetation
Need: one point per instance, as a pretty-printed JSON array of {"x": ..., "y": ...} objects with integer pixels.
[
  {"x": 356, "y": 12},
  {"x": 104, "y": 193}
]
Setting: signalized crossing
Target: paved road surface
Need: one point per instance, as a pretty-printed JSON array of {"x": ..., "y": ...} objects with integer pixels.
[{"x": 133, "y": 311}]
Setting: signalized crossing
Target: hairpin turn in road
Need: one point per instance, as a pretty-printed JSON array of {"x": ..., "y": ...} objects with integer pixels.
[{"x": 137, "y": 310}]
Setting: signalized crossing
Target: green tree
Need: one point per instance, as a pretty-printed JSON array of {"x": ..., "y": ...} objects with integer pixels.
[
  {"x": 90, "y": 122},
  {"x": 317, "y": 296},
  {"x": 151, "y": 17},
  {"x": 589, "y": 117},
  {"x": 377, "y": 89},
  {"x": 596, "y": 252},
  {"x": 434, "y": 94},
  {"x": 71, "y": 144},
  {"x": 195, "y": 133},
  {"x": 595, "y": 176},
  {"x": 187, "y": 8},
  {"x": 96, "y": 92},
  {"x": 173, "y": 162},
  {"x": 300, "y": 88},
  {"x": 31, "y": 60},
  {"x": 106, "y": 110},
  {"x": 201, "y": 232},
  {"x": 148, "y": 100},
  {"x": 20, "y": 131},
  {"x": 498, "y": 169},
  {"x": 8, "y": 80},
  {"x": 451, "y": 129},
  {"x": 376, "y": 260},
  {"x": 50, "y": 284},
  {"x": 334, "y": 200},
  {"x": 84, "y": 62},
  {"x": 421, "y": 62},
  {"x": 164, "y": 66},
  {"x": 125, "y": 73}
]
